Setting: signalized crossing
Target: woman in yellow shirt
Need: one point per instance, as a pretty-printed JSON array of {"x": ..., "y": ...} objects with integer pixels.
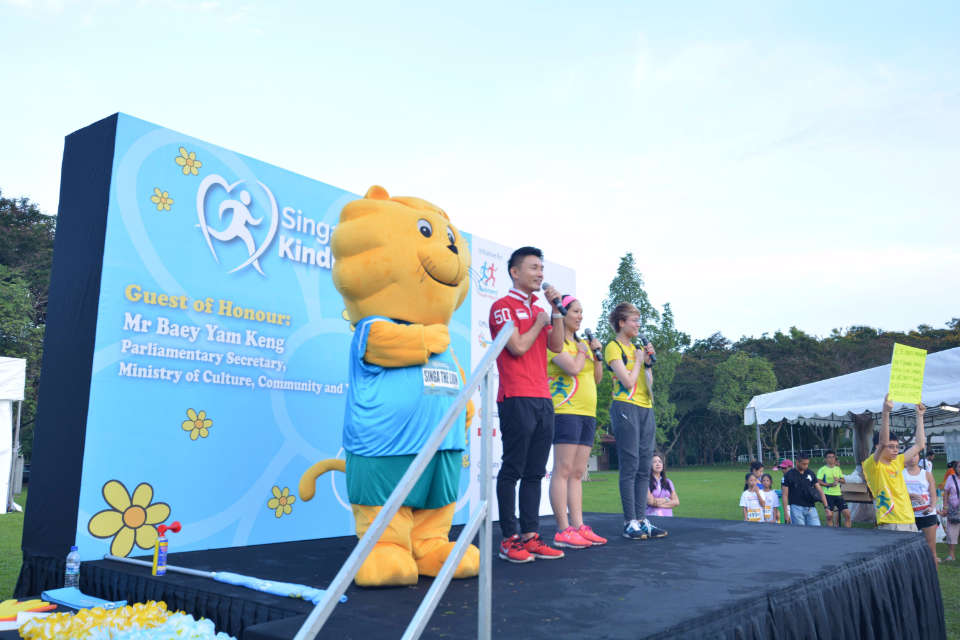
[
  {"x": 573, "y": 375},
  {"x": 631, "y": 416}
]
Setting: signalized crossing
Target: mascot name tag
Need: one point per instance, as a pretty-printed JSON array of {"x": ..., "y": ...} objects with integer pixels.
[{"x": 437, "y": 379}]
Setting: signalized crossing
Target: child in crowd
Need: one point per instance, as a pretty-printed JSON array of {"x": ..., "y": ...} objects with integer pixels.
[
  {"x": 950, "y": 513},
  {"x": 771, "y": 501},
  {"x": 662, "y": 496},
  {"x": 751, "y": 500}
]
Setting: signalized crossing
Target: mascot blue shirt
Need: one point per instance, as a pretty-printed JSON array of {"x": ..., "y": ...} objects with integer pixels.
[{"x": 393, "y": 411}]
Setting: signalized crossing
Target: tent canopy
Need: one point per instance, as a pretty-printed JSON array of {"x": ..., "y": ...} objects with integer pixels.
[
  {"x": 831, "y": 402},
  {"x": 13, "y": 376}
]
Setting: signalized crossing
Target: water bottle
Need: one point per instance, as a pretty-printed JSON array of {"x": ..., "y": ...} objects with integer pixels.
[{"x": 71, "y": 577}]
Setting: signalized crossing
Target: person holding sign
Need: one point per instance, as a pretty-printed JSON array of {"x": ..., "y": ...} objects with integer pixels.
[
  {"x": 751, "y": 500},
  {"x": 883, "y": 473}
]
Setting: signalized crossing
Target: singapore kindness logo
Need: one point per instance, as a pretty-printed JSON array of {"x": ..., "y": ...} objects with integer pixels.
[{"x": 242, "y": 220}]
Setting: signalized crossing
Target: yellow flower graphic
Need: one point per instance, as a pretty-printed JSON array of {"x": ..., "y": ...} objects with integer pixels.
[
  {"x": 188, "y": 161},
  {"x": 281, "y": 501},
  {"x": 162, "y": 199},
  {"x": 130, "y": 518},
  {"x": 198, "y": 424}
]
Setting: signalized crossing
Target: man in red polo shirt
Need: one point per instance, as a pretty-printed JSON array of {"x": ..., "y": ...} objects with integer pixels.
[{"x": 524, "y": 404}]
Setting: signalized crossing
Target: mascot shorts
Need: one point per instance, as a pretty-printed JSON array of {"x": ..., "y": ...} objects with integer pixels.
[{"x": 371, "y": 480}]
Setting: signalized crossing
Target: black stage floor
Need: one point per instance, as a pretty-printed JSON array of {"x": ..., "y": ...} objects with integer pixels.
[{"x": 708, "y": 578}]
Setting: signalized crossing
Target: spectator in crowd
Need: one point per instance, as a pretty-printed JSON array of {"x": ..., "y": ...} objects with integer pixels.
[
  {"x": 926, "y": 463},
  {"x": 882, "y": 471},
  {"x": 951, "y": 512},
  {"x": 923, "y": 493},
  {"x": 751, "y": 500},
  {"x": 830, "y": 477},
  {"x": 951, "y": 470},
  {"x": 771, "y": 501},
  {"x": 662, "y": 496},
  {"x": 756, "y": 468},
  {"x": 801, "y": 493},
  {"x": 573, "y": 375}
]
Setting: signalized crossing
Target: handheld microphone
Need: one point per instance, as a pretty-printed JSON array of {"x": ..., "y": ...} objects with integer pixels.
[
  {"x": 596, "y": 352},
  {"x": 644, "y": 342},
  {"x": 558, "y": 302}
]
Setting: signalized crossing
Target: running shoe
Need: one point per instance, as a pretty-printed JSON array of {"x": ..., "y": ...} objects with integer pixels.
[
  {"x": 538, "y": 549},
  {"x": 571, "y": 538},
  {"x": 512, "y": 550},
  {"x": 650, "y": 530},
  {"x": 587, "y": 534},
  {"x": 633, "y": 531}
]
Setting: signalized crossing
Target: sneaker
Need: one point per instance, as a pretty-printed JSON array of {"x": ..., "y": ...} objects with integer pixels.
[
  {"x": 538, "y": 549},
  {"x": 650, "y": 530},
  {"x": 511, "y": 550},
  {"x": 633, "y": 531},
  {"x": 571, "y": 538},
  {"x": 587, "y": 534}
]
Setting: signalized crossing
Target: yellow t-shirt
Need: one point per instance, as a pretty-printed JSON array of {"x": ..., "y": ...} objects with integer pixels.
[
  {"x": 640, "y": 394},
  {"x": 572, "y": 395},
  {"x": 890, "y": 497}
]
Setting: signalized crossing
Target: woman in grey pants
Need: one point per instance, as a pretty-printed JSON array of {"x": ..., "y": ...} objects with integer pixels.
[{"x": 631, "y": 416}]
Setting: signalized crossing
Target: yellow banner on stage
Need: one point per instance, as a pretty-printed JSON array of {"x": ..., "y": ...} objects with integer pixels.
[{"x": 906, "y": 373}]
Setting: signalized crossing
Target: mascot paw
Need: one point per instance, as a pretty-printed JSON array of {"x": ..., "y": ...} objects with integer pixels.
[
  {"x": 388, "y": 565},
  {"x": 431, "y": 563}
]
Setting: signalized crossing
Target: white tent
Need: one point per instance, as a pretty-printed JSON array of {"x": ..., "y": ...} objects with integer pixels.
[
  {"x": 831, "y": 402},
  {"x": 13, "y": 372}
]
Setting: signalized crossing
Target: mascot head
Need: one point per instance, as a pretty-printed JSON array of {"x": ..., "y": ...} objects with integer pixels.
[{"x": 399, "y": 258}]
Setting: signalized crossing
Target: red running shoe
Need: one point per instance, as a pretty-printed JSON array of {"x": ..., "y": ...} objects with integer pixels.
[
  {"x": 538, "y": 549},
  {"x": 571, "y": 538},
  {"x": 587, "y": 534},
  {"x": 512, "y": 550}
]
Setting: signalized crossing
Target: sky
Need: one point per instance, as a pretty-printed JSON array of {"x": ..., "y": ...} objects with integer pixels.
[{"x": 768, "y": 164}]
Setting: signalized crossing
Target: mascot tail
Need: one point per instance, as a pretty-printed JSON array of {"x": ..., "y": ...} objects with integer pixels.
[{"x": 308, "y": 481}]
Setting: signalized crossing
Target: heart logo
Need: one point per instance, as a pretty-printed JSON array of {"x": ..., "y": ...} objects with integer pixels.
[{"x": 235, "y": 219}]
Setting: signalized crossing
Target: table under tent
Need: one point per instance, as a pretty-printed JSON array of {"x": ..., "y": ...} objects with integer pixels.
[{"x": 855, "y": 400}]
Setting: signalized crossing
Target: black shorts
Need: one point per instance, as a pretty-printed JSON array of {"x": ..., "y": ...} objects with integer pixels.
[
  {"x": 574, "y": 429},
  {"x": 926, "y": 521},
  {"x": 836, "y": 503}
]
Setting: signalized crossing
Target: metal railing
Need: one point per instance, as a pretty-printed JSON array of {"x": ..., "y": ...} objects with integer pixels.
[{"x": 481, "y": 521}]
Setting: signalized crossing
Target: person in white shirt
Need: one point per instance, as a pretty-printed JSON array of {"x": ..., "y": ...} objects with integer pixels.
[
  {"x": 751, "y": 500},
  {"x": 927, "y": 462},
  {"x": 771, "y": 501},
  {"x": 923, "y": 494}
]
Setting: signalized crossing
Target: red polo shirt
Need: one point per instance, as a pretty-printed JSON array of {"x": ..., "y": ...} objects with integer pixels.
[{"x": 526, "y": 375}]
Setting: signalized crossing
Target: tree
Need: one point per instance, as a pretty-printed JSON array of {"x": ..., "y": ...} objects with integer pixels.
[
  {"x": 627, "y": 286},
  {"x": 26, "y": 259},
  {"x": 737, "y": 380}
]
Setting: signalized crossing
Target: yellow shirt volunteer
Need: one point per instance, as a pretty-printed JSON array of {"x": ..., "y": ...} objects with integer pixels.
[
  {"x": 640, "y": 394},
  {"x": 890, "y": 497},
  {"x": 576, "y": 395}
]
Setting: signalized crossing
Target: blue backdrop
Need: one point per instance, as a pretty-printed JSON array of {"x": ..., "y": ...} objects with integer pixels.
[{"x": 219, "y": 371}]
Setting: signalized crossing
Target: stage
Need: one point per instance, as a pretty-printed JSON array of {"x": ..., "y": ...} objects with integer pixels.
[{"x": 708, "y": 578}]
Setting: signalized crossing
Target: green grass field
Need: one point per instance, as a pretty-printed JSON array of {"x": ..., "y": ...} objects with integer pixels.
[{"x": 705, "y": 492}]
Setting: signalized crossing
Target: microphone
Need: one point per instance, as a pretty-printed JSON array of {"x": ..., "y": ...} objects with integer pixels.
[
  {"x": 558, "y": 302},
  {"x": 644, "y": 342},
  {"x": 596, "y": 352}
]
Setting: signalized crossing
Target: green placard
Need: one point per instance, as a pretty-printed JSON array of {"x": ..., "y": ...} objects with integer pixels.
[{"x": 906, "y": 373}]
